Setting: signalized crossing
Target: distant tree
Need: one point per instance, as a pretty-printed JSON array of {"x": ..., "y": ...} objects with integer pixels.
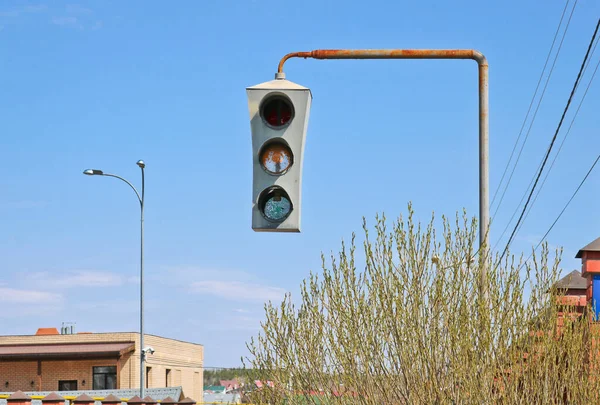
[
  {"x": 214, "y": 376},
  {"x": 406, "y": 323}
]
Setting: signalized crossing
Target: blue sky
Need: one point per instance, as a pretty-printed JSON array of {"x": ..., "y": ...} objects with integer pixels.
[{"x": 101, "y": 84}]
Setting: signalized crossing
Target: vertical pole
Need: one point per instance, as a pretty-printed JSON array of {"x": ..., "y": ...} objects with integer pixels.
[
  {"x": 118, "y": 373},
  {"x": 142, "y": 354},
  {"x": 484, "y": 176}
]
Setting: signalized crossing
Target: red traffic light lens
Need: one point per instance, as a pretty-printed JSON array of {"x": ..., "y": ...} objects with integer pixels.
[
  {"x": 277, "y": 111},
  {"x": 276, "y": 157}
]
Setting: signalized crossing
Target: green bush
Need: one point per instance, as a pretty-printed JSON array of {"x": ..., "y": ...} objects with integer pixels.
[{"x": 422, "y": 319}]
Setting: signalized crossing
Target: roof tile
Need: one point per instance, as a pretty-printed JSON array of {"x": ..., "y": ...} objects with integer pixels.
[
  {"x": 593, "y": 246},
  {"x": 573, "y": 280},
  {"x": 53, "y": 397},
  {"x": 18, "y": 396},
  {"x": 83, "y": 398}
]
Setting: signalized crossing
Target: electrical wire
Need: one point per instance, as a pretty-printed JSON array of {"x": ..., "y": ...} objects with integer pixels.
[
  {"x": 564, "y": 139},
  {"x": 527, "y": 136},
  {"x": 559, "y": 149},
  {"x": 531, "y": 105},
  {"x": 539, "y": 174},
  {"x": 562, "y": 211}
]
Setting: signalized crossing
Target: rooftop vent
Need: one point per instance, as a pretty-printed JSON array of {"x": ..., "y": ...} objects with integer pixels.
[{"x": 67, "y": 328}]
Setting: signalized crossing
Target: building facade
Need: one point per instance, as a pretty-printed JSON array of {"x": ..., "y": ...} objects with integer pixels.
[{"x": 53, "y": 361}]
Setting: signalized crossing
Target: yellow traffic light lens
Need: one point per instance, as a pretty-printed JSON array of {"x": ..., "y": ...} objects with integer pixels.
[
  {"x": 276, "y": 157},
  {"x": 275, "y": 204},
  {"x": 277, "y": 111}
]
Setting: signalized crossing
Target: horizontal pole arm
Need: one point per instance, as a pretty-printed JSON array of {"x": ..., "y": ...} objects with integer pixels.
[
  {"x": 483, "y": 110},
  {"x": 130, "y": 185},
  {"x": 387, "y": 54}
]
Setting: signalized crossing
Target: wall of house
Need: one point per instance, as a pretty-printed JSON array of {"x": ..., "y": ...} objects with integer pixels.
[
  {"x": 127, "y": 365},
  {"x": 80, "y": 370},
  {"x": 18, "y": 375},
  {"x": 185, "y": 360}
]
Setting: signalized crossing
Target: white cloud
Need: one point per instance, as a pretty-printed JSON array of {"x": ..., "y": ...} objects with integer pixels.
[
  {"x": 78, "y": 279},
  {"x": 78, "y": 9},
  {"x": 24, "y": 204},
  {"x": 235, "y": 323},
  {"x": 30, "y": 9},
  {"x": 235, "y": 290},
  {"x": 193, "y": 273},
  {"x": 79, "y": 17},
  {"x": 241, "y": 311},
  {"x": 66, "y": 22},
  {"x": 113, "y": 306},
  {"x": 35, "y": 8},
  {"x": 533, "y": 241},
  {"x": 133, "y": 279},
  {"x": 12, "y": 295}
]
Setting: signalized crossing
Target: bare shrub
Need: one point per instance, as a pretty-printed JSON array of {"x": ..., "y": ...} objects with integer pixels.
[{"x": 410, "y": 325}]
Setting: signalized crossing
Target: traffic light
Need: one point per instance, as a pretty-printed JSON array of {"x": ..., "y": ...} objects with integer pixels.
[{"x": 279, "y": 112}]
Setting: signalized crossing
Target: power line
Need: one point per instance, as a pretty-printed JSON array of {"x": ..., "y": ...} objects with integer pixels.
[
  {"x": 554, "y": 160},
  {"x": 553, "y": 140},
  {"x": 565, "y": 137},
  {"x": 531, "y": 105},
  {"x": 562, "y": 211},
  {"x": 527, "y": 135}
]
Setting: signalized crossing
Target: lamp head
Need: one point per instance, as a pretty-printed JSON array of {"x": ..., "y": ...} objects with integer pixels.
[
  {"x": 93, "y": 172},
  {"x": 141, "y": 164}
]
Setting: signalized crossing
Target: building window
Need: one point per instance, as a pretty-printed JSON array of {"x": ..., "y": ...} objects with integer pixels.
[
  {"x": 105, "y": 378},
  {"x": 67, "y": 385},
  {"x": 168, "y": 378},
  {"x": 148, "y": 376}
]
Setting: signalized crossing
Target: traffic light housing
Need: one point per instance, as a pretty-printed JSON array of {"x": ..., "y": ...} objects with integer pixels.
[{"x": 279, "y": 112}]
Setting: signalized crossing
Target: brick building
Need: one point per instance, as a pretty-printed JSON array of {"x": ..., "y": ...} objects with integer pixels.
[{"x": 53, "y": 361}]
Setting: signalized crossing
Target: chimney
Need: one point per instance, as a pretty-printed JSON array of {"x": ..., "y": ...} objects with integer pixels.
[
  {"x": 67, "y": 328},
  {"x": 46, "y": 331}
]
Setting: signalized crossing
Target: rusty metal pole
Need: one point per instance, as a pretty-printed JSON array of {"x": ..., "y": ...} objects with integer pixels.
[{"x": 484, "y": 209}]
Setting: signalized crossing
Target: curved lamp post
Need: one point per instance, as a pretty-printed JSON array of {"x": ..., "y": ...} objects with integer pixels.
[{"x": 142, "y": 165}]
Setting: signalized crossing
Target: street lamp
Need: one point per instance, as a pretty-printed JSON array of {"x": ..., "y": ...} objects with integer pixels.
[{"x": 142, "y": 165}]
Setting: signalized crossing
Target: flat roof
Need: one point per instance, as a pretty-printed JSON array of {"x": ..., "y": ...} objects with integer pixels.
[
  {"x": 64, "y": 350},
  {"x": 84, "y": 334}
]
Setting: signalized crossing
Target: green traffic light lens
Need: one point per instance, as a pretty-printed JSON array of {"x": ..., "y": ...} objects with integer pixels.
[
  {"x": 277, "y": 210},
  {"x": 275, "y": 204}
]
